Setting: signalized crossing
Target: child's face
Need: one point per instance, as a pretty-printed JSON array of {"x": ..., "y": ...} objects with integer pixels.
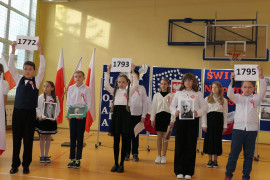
[
  {"x": 164, "y": 86},
  {"x": 28, "y": 71},
  {"x": 122, "y": 82},
  {"x": 47, "y": 88},
  {"x": 188, "y": 83},
  {"x": 215, "y": 89},
  {"x": 247, "y": 88},
  {"x": 50, "y": 109},
  {"x": 79, "y": 78}
]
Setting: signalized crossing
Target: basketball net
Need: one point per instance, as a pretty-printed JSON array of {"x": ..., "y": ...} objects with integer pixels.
[{"x": 236, "y": 55}]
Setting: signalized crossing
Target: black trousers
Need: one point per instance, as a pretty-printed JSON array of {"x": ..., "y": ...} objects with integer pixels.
[
  {"x": 23, "y": 127},
  {"x": 185, "y": 146},
  {"x": 133, "y": 141},
  {"x": 77, "y": 128},
  {"x": 116, "y": 142}
]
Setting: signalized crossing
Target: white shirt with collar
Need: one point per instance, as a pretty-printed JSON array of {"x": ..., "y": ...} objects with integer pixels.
[
  {"x": 5, "y": 87},
  {"x": 245, "y": 117},
  {"x": 17, "y": 77},
  {"x": 160, "y": 104},
  {"x": 40, "y": 107},
  {"x": 78, "y": 96},
  {"x": 199, "y": 104},
  {"x": 121, "y": 94},
  {"x": 216, "y": 107},
  {"x": 139, "y": 102}
]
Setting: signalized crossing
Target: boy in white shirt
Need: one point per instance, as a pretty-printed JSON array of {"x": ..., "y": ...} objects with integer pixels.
[{"x": 245, "y": 124}]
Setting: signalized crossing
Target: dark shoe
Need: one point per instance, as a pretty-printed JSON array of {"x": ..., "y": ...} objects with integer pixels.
[
  {"x": 209, "y": 164},
  {"x": 26, "y": 170},
  {"x": 127, "y": 157},
  {"x": 120, "y": 169},
  {"x": 48, "y": 159},
  {"x": 215, "y": 164},
  {"x": 135, "y": 157},
  {"x": 114, "y": 168},
  {"x": 77, "y": 164},
  {"x": 42, "y": 159},
  {"x": 71, "y": 163},
  {"x": 13, "y": 170}
]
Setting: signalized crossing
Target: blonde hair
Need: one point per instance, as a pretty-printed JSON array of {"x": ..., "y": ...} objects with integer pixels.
[{"x": 210, "y": 98}]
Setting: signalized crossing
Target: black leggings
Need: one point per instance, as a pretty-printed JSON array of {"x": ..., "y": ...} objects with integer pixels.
[{"x": 116, "y": 142}]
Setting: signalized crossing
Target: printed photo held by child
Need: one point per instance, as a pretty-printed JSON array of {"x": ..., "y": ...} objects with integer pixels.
[
  {"x": 121, "y": 120},
  {"x": 214, "y": 123},
  {"x": 245, "y": 127},
  {"x": 46, "y": 127}
]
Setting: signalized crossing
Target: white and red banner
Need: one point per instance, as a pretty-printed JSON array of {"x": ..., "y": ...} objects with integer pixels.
[
  {"x": 78, "y": 67},
  {"x": 7, "y": 74}
]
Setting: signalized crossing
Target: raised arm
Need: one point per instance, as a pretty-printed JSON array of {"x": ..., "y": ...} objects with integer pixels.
[
  {"x": 263, "y": 87},
  {"x": 42, "y": 66},
  {"x": 135, "y": 83},
  {"x": 230, "y": 93},
  {"x": 16, "y": 76},
  {"x": 107, "y": 85}
]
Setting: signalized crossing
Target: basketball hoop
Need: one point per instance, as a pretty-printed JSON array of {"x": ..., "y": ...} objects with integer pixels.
[{"x": 236, "y": 55}]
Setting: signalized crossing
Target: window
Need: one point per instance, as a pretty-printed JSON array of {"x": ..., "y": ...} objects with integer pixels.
[{"x": 17, "y": 17}]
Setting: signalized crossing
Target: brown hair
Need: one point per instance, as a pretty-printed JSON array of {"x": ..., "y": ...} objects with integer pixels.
[
  {"x": 79, "y": 71},
  {"x": 116, "y": 87},
  {"x": 167, "y": 81},
  {"x": 189, "y": 76},
  {"x": 30, "y": 63},
  {"x": 2, "y": 70},
  {"x": 210, "y": 98},
  {"x": 53, "y": 91}
]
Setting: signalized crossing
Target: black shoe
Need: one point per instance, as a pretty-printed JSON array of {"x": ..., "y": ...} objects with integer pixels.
[
  {"x": 209, "y": 164},
  {"x": 14, "y": 170},
  {"x": 135, "y": 157},
  {"x": 42, "y": 159},
  {"x": 47, "y": 159},
  {"x": 71, "y": 164},
  {"x": 77, "y": 164},
  {"x": 127, "y": 157},
  {"x": 215, "y": 164},
  {"x": 26, "y": 170},
  {"x": 120, "y": 169},
  {"x": 114, "y": 168}
]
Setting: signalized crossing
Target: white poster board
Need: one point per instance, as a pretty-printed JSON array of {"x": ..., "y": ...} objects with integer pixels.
[
  {"x": 246, "y": 72},
  {"x": 121, "y": 65},
  {"x": 27, "y": 42},
  {"x": 186, "y": 107}
]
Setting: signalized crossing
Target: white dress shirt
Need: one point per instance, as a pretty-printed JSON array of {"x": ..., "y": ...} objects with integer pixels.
[
  {"x": 160, "y": 104},
  {"x": 246, "y": 108},
  {"x": 78, "y": 96},
  {"x": 216, "y": 107},
  {"x": 121, "y": 94},
  {"x": 5, "y": 87},
  {"x": 139, "y": 102},
  {"x": 40, "y": 108},
  {"x": 199, "y": 104},
  {"x": 16, "y": 76}
]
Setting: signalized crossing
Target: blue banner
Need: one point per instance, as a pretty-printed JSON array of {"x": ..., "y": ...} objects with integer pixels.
[{"x": 106, "y": 98}]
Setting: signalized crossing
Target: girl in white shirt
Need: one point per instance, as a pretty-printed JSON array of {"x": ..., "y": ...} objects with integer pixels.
[
  {"x": 46, "y": 126},
  {"x": 187, "y": 130},
  {"x": 121, "y": 119},
  {"x": 161, "y": 117},
  {"x": 214, "y": 123}
]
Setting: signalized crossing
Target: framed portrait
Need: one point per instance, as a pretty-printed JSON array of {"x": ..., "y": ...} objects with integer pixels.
[
  {"x": 186, "y": 107},
  {"x": 266, "y": 99},
  {"x": 75, "y": 111},
  {"x": 267, "y": 79},
  {"x": 265, "y": 113},
  {"x": 49, "y": 110}
]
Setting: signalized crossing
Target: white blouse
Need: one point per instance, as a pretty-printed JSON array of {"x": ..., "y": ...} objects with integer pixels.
[
  {"x": 199, "y": 104},
  {"x": 216, "y": 107},
  {"x": 121, "y": 94},
  {"x": 41, "y": 101},
  {"x": 160, "y": 104},
  {"x": 139, "y": 102}
]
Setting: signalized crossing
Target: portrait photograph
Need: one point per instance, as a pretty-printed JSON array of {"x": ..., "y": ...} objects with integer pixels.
[
  {"x": 75, "y": 111},
  {"x": 186, "y": 108},
  {"x": 49, "y": 110},
  {"x": 265, "y": 113},
  {"x": 266, "y": 99},
  {"x": 267, "y": 79}
]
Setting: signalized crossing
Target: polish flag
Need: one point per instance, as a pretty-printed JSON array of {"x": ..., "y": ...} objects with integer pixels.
[
  {"x": 90, "y": 82},
  {"x": 78, "y": 68},
  {"x": 2, "y": 119},
  {"x": 7, "y": 74},
  {"x": 60, "y": 85}
]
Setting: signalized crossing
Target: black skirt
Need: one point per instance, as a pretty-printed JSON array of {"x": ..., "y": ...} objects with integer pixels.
[
  {"x": 162, "y": 121},
  {"x": 213, "y": 138},
  {"x": 121, "y": 121},
  {"x": 46, "y": 126}
]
